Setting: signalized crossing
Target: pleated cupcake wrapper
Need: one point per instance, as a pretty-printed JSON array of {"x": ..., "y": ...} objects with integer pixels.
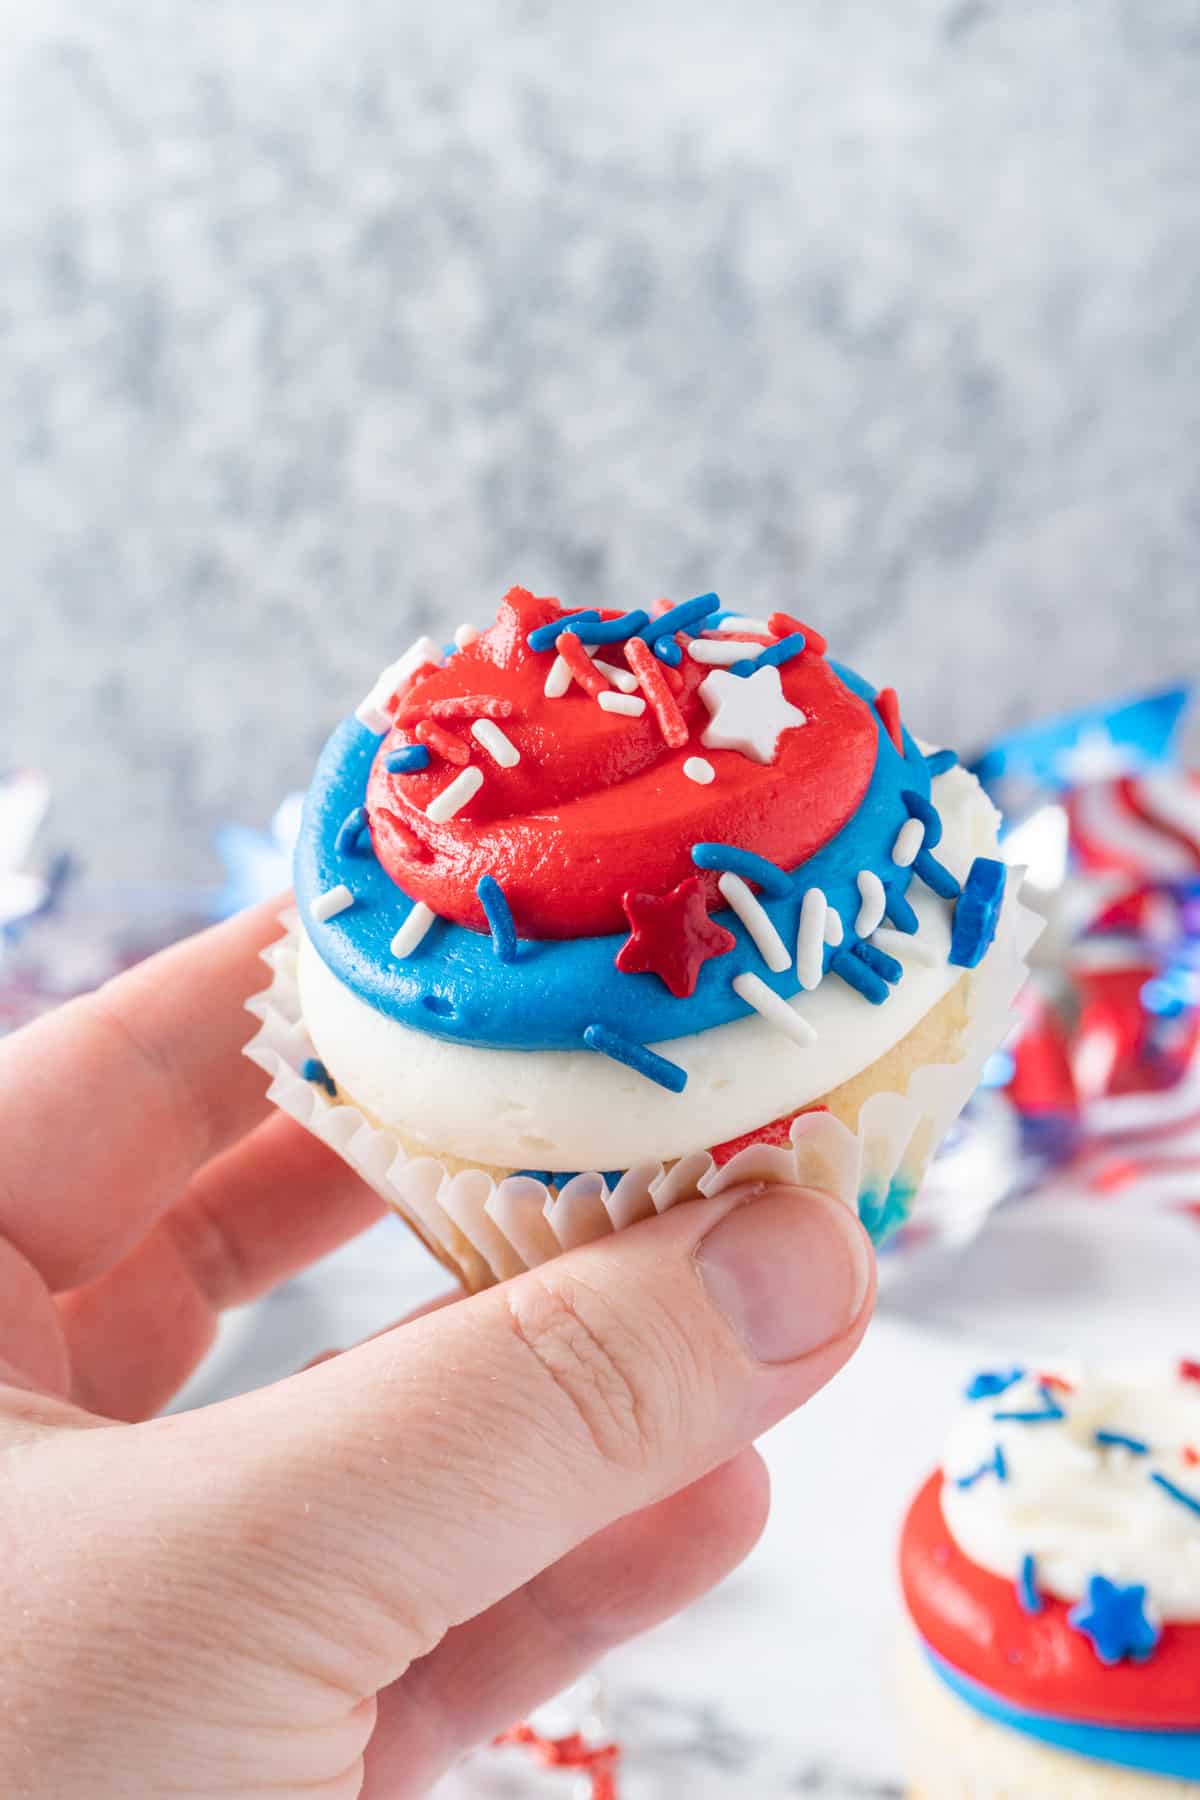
[{"x": 489, "y": 1230}]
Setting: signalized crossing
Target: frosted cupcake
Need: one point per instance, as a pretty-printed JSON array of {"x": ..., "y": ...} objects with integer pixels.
[
  {"x": 1051, "y": 1572},
  {"x": 595, "y": 909}
]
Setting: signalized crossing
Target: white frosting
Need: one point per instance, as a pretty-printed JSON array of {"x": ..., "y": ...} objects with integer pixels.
[
  {"x": 1078, "y": 1507},
  {"x": 568, "y": 1109}
]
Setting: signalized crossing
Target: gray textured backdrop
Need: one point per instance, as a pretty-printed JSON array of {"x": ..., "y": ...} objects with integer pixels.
[{"x": 322, "y": 323}]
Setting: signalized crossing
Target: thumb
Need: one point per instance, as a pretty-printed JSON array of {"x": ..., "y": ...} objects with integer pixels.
[{"x": 423, "y": 1476}]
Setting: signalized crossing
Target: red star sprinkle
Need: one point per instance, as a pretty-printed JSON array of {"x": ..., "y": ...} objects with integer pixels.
[
  {"x": 1188, "y": 1371},
  {"x": 888, "y": 707},
  {"x": 671, "y": 935}
]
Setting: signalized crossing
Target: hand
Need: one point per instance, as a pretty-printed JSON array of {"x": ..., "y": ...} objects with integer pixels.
[{"x": 333, "y": 1586}]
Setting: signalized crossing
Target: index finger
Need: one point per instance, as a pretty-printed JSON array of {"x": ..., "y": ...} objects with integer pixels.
[{"x": 109, "y": 1105}]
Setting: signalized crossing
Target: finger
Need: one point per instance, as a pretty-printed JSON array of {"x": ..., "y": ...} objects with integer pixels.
[
  {"x": 496, "y": 1668},
  {"x": 445, "y": 1465},
  {"x": 32, "y": 1349},
  {"x": 251, "y": 1218},
  {"x": 110, "y": 1104}
]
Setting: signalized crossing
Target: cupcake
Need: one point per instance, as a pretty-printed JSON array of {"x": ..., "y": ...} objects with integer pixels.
[
  {"x": 1051, "y": 1573},
  {"x": 597, "y": 909}
]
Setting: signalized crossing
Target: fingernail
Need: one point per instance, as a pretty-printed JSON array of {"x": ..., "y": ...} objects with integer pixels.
[{"x": 789, "y": 1270}]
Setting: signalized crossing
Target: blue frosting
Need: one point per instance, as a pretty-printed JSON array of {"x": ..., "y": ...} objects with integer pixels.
[
  {"x": 548, "y": 994},
  {"x": 1155, "y": 1752}
]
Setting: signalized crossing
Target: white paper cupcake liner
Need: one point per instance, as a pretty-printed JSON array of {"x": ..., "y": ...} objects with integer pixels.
[{"x": 488, "y": 1230}]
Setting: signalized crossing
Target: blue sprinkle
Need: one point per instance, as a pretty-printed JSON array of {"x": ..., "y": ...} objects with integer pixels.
[
  {"x": 1176, "y": 1493},
  {"x": 689, "y": 615},
  {"x": 406, "y": 761},
  {"x": 1028, "y": 1598},
  {"x": 546, "y": 636},
  {"x": 990, "y": 1383},
  {"x": 901, "y": 913},
  {"x": 921, "y": 808},
  {"x": 1119, "y": 1439},
  {"x": 542, "y": 1175},
  {"x": 878, "y": 961},
  {"x": 313, "y": 1069},
  {"x": 636, "y": 1056},
  {"x": 936, "y": 875},
  {"x": 349, "y": 832},
  {"x": 938, "y": 761},
  {"x": 1050, "y": 1410},
  {"x": 746, "y": 666},
  {"x": 773, "y": 881},
  {"x": 491, "y": 897},
  {"x": 781, "y": 652},
  {"x": 1114, "y": 1619},
  {"x": 995, "y": 1465},
  {"x": 667, "y": 651},
  {"x": 977, "y": 913},
  {"x": 611, "y": 631},
  {"x": 853, "y": 969}
]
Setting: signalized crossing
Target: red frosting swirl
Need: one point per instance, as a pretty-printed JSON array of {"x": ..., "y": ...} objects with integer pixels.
[{"x": 597, "y": 804}]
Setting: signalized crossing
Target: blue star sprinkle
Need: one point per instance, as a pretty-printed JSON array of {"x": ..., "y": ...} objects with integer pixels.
[
  {"x": 1113, "y": 1618},
  {"x": 990, "y": 1382}
]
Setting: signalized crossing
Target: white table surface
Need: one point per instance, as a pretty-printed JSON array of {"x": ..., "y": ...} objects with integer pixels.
[{"x": 778, "y": 1683}]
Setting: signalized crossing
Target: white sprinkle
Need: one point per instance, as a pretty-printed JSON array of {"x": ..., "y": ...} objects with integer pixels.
[
  {"x": 558, "y": 680},
  {"x": 452, "y": 799},
  {"x": 625, "y": 679},
  {"x": 632, "y": 704},
  {"x": 495, "y": 743},
  {"x": 874, "y": 903},
  {"x": 756, "y": 625},
  {"x": 775, "y": 1010},
  {"x": 910, "y": 949},
  {"x": 833, "y": 928},
  {"x": 466, "y": 634},
  {"x": 754, "y": 917},
  {"x": 373, "y": 712},
  {"x": 810, "y": 939},
  {"x": 419, "y": 920},
  {"x": 909, "y": 839},
  {"x": 720, "y": 655},
  {"x": 333, "y": 901},
  {"x": 698, "y": 768}
]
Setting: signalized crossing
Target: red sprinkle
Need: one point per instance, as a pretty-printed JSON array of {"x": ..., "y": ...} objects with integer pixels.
[
  {"x": 598, "y": 1761},
  {"x": 1191, "y": 1457},
  {"x": 651, "y": 680},
  {"x": 1188, "y": 1371},
  {"x": 397, "y": 829},
  {"x": 888, "y": 707},
  {"x": 471, "y": 706},
  {"x": 672, "y": 936},
  {"x": 582, "y": 668},
  {"x": 783, "y": 625},
  {"x": 1056, "y": 1381},
  {"x": 442, "y": 743}
]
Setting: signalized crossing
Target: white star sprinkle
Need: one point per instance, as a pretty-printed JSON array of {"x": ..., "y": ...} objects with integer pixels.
[{"x": 748, "y": 712}]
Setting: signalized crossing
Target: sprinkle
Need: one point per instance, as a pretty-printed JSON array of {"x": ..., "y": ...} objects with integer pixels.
[
  {"x": 853, "y": 969},
  {"x": 734, "y": 622},
  {"x": 990, "y": 1383},
  {"x": 753, "y": 915},
  {"x": 452, "y": 799},
  {"x": 558, "y": 680},
  {"x": 632, "y": 705},
  {"x": 810, "y": 938},
  {"x": 442, "y": 742},
  {"x": 667, "y": 651},
  {"x": 995, "y": 1465},
  {"x": 583, "y": 669},
  {"x": 909, "y": 839},
  {"x": 718, "y": 653},
  {"x": 921, "y": 808},
  {"x": 783, "y": 625},
  {"x": 313, "y": 1069},
  {"x": 1190, "y": 1455},
  {"x": 349, "y": 832},
  {"x": 1028, "y": 1598},
  {"x": 773, "y": 1008},
  {"x": 699, "y": 769},
  {"x": 902, "y": 944},
  {"x": 1115, "y": 1622},
  {"x": 620, "y": 678},
  {"x": 748, "y": 715},
  {"x": 878, "y": 961},
  {"x": 937, "y": 876},
  {"x": 774, "y": 881},
  {"x": 498, "y": 913},
  {"x": 407, "y": 760},
  {"x": 900, "y": 912},
  {"x": 1117, "y": 1440},
  {"x": 651, "y": 680},
  {"x": 834, "y": 929},
  {"x": 689, "y": 615},
  {"x": 977, "y": 913},
  {"x": 1187, "y": 1370},
  {"x": 782, "y": 652},
  {"x": 420, "y": 918},
  {"x": 874, "y": 903},
  {"x": 465, "y": 634},
  {"x": 636, "y": 1057},
  {"x": 374, "y": 712},
  {"x": 1176, "y": 1493},
  {"x": 938, "y": 761},
  {"x": 611, "y": 631},
  {"x": 1050, "y": 1412},
  {"x": 333, "y": 901},
  {"x": 501, "y": 748},
  {"x": 400, "y": 830},
  {"x": 471, "y": 706},
  {"x": 888, "y": 708},
  {"x": 543, "y": 638}
]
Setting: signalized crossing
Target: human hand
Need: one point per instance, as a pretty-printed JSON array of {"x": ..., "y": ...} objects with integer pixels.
[{"x": 333, "y": 1586}]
